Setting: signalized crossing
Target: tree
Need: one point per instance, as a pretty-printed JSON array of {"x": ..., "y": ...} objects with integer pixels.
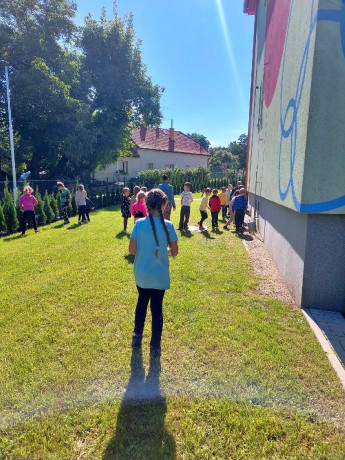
[
  {"x": 3, "y": 226},
  {"x": 54, "y": 206},
  {"x": 10, "y": 213},
  {"x": 201, "y": 139},
  {"x": 77, "y": 94},
  {"x": 47, "y": 208},
  {"x": 223, "y": 157},
  {"x": 239, "y": 149},
  {"x": 41, "y": 215}
]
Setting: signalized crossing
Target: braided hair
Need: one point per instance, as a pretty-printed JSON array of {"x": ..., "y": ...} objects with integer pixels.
[{"x": 155, "y": 199}]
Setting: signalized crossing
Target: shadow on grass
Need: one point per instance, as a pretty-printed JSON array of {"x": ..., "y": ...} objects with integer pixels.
[
  {"x": 122, "y": 234},
  {"x": 129, "y": 258},
  {"x": 58, "y": 226},
  {"x": 140, "y": 431},
  {"x": 74, "y": 226},
  {"x": 243, "y": 236},
  {"x": 8, "y": 239},
  {"x": 186, "y": 233},
  {"x": 207, "y": 235}
]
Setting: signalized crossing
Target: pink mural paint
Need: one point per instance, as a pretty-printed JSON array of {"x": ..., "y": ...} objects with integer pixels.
[{"x": 276, "y": 25}]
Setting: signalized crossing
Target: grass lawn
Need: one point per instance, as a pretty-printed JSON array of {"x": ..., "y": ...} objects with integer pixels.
[{"x": 240, "y": 377}]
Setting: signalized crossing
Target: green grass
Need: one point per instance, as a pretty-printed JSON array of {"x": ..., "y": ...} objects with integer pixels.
[{"x": 241, "y": 376}]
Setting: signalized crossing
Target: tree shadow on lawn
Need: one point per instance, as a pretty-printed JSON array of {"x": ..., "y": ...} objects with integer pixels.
[{"x": 140, "y": 430}]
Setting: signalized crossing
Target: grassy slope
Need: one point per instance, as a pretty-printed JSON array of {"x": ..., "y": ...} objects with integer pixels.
[{"x": 242, "y": 376}]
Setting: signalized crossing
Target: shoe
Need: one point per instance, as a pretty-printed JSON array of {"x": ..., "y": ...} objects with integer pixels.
[
  {"x": 37, "y": 231},
  {"x": 201, "y": 228},
  {"x": 225, "y": 227},
  {"x": 136, "y": 340},
  {"x": 155, "y": 351},
  {"x": 66, "y": 222},
  {"x": 179, "y": 228},
  {"x": 186, "y": 227}
]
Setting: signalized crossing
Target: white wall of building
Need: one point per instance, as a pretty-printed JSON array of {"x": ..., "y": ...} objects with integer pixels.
[{"x": 149, "y": 159}]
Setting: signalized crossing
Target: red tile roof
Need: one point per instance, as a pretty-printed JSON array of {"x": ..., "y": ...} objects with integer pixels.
[{"x": 159, "y": 139}]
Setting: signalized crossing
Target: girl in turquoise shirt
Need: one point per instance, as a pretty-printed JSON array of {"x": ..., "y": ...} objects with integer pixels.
[{"x": 152, "y": 241}]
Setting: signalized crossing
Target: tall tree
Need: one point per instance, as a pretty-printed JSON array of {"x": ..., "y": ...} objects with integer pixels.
[
  {"x": 118, "y": 90},
  {"x": 201, "y": 139},
  {"x": 239, "y": 148},
  {"x": 223, "y": 157}
]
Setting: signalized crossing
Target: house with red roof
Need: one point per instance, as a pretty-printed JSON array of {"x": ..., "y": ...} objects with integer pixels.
[{"x": 156, "y": 148}]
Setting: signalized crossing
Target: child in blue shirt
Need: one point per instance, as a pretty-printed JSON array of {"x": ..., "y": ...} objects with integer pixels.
[{"x": 153, "y": 239}]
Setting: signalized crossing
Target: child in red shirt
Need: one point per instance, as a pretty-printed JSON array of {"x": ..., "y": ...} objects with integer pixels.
[{"x": 215, "y": 207}]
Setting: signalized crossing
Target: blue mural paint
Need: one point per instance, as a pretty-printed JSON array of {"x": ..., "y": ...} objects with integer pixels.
[{"x": 293, "y": 108}]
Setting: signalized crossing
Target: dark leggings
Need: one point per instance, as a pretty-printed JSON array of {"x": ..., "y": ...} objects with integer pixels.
[
  {"x": 239, "y": 218},
  {"x": 203, "y": 216},
  {"x": 156, "y": 296},
  {"x": 32, "y": 216},
  {"x": 81, "y": 212}
]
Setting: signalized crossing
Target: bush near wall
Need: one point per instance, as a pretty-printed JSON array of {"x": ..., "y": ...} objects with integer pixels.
[{"x": 199, "y": 177}]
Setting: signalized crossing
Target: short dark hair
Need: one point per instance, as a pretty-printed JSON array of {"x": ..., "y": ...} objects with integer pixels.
[{"x": 165, "y": 177}]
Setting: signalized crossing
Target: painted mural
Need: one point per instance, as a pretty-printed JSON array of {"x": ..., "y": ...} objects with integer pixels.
[{"x": 293, "y": 79}]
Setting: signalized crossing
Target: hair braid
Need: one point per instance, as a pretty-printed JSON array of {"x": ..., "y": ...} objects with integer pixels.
[
  {"x": 164, "y": 226},
  {"x": 154, "y": 231}
]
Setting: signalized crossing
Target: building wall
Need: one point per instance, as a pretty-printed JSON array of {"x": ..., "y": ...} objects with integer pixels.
[
  {"x": 159, "y": 160},
  {"x": 298, "y": 105},
  {"x": 296, "y": 170}
]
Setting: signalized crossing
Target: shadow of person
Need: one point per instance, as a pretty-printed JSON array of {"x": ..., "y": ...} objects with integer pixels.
[
  {"x": 140, "y": 432},
  {"x": 129, "y": 258},
  {"x": 122, "y": 234},
  {"x": 207, "y": 235}
]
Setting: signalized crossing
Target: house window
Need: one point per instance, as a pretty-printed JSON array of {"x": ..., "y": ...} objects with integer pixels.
[
  {"x": 123, "y": 167},
  {"x": 169, "y": 166},
  {"x": 149, "y": 165}
]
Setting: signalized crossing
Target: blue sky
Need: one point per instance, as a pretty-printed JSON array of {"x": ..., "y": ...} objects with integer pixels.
[{"x": 200, "y": 51}]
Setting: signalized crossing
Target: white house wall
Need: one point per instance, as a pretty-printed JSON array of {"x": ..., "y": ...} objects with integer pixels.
[{"x": 159, "y": 160}]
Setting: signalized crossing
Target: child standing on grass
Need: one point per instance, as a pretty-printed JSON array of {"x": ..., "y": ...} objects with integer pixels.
[
  {"x": 232, "y": 213},
  {"x": 139, "y": 207},
  {"x": 80, "y": 201},
  {"x": 65, "y": 200},
  {"x": 203, "y": 208},
  {"x": 186, "y": 201},
  {"x": 125, "y": 206},
  {"x": 215, "y": 207},
  {"x": 136, "y": 190},
  {"x": 239, "y": 206},
  {"x": 153, "y": 239},
  {"x": 223, "y": 201},
  {"x": 89, "y": 207},
  {"x": 28, "y": 202}
]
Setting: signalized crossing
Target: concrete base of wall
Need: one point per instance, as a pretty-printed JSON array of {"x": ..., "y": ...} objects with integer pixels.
[{"x": 308, "y": 250}]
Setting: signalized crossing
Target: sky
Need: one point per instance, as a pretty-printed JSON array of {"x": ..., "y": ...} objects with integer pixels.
[{"x": 200, "y": 51}]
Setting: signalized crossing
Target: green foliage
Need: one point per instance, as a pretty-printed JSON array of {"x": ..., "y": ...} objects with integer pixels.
[
  {"x": 12, "y": 222},
  {"x": 76, "y": 97},
  {"x": 3, "y": 226},
  {"x": 223, "y": 157},
  {"x": 201, "y": 139},
  {"x": 199, "y": 177},
  {"x": 239, "y": 149},
  {"x": 41, "y": 215},
  {"x": 47, "y": 208},
  {"x": 54, "y": 206}
]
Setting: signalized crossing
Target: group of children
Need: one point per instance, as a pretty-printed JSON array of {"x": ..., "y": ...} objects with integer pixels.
[
  {"x": 231, "y": 201},
  {"x": 28, "y": 201}
]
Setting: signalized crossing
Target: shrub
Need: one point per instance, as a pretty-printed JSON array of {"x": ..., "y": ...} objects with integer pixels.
[
  {"x": 9, "y": 209},
  {"x": 41, "y": 216},
  {"x": 47, "y": 208},
  {"x": 3, "y": 226},
  {"x": 54, "y": 205}
]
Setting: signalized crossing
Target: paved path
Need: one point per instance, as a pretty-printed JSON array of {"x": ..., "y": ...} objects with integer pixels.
[{"x": 329, "y": 327}]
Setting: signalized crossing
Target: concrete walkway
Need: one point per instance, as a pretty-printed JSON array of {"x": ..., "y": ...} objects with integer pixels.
[{"x": 329, "y": 328}]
